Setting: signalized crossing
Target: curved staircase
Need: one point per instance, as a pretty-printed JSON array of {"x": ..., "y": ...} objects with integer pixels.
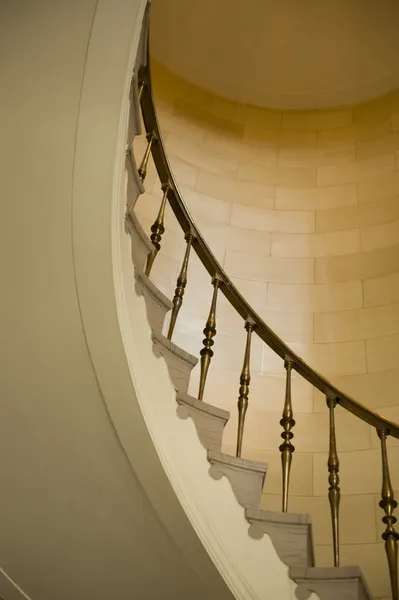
[{"x": 291, "y": 534}]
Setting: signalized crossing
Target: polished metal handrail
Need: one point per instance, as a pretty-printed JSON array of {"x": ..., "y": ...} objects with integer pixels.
[{"x": 254, "y": 324}]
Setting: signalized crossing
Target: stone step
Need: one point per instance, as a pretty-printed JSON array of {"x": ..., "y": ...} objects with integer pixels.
[
  {"x": 209, "y": 420},
  {"x": 179, "y": 362},
  {"x": 290, "y": 533},
  {"x": 246, "y": 477},
  {"x": 330, "y": 583},
  {"x": 157, "y": 304},
  {"x": 141, "y": 245}
]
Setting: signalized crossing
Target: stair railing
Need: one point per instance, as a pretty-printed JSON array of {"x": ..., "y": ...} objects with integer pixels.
[{"x": 254, "y": 324}]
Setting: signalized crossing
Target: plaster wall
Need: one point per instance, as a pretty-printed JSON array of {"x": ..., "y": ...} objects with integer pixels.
[
  {"x": 302, "y": 210},
  {"x": 81, "y": 515}
]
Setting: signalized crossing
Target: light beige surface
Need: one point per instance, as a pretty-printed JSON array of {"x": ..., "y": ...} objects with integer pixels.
[
  {"x": 302, "y": 211},
  {"x": 76, "y": 516},
  {"x": 283, "y": 54}
]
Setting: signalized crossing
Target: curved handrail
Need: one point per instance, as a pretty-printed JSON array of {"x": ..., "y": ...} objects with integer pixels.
[{"x": 232, "y": 294}]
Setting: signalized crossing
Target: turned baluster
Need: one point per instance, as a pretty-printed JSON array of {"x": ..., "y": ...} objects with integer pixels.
[
  {"x": 287, "y": 422},
  {"x": 388, "y": 504},
  {"x": 209, "y": 332},
  {"x": 245, "y": 379},
  {"x": 157, "y": 230},
  {"x": 142, "y": 85},
  {"x": 151, "y": 137},
  {"x": 334, "y": 493},
  {"x": 181, "y": 284}
]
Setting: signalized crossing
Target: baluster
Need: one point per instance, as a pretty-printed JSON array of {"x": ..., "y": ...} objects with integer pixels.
[
  {"x": 287, "y": 422},
  {"x": 334, "y": 493},
  {"x": 388, "y": 504},
  {"x": 151, "y": 137},
  {"x": 209, "y": 332},
  {"x": 142, "y": 85},
  {"x": 245, "y": 379},
  {"x": 181, "y": 285},
  {"x": 158, "y": 230}
]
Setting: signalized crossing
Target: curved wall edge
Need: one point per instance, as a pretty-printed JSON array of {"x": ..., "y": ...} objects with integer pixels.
[
  {"x": 100, "y": 147},
  {"x": 116, "y": 330}
]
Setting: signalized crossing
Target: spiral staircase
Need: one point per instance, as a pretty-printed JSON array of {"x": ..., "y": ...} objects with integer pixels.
[
  {"x": 115, "y": 484},
  {"x": 291, "y": 534}
]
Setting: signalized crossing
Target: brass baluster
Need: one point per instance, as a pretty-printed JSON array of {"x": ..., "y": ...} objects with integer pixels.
[
  {"x": 334, "y": 493},
  {"x": 209, "y": 332},
  {"x": 287, "y": 422},
  {"x": 245, "y": 379},
  {"x": 142, "y": 85},
  {"x": 388, "y": 504},
  {"x": 151, "y": 137},
  {"x": 181, "y": 285},
  {"x": 157, "y": 230}
]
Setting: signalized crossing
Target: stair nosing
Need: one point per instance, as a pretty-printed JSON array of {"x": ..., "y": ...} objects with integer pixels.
[
  {"x": 271, "y": 516},
  {"x": 162, "y": 340},
  {"x": 154, "y": 291},
  {"x": 234, "y": 461},
  {"x": 184, "y": 398}
]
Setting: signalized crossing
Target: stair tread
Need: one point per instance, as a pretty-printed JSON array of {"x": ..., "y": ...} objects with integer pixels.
[
  {"x": 154, "y": 291},
  {"x": 203, "y": 406},
  {"x": 234, "y": 461},
  {"x": 173, "y": 348},
  {"x": 272, "y": 516}
]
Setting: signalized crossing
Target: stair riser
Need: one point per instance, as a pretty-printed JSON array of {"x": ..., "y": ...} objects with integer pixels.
[
  {"x": 247, "y": 485},
  {"x": 330, "y": 583},
  {"x": 209, "y": 428},
  {"x": 179, "y": 369},
  {"x": 141, "y": 246},
  {"x": 292, "y": 542},
  {"x": 331, "y": 590},
  {"x": 156, "y": 310}
]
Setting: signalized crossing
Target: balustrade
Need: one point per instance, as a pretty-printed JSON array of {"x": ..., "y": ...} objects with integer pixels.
[
  {"x": 388, "y": 504},
  {"x": 245, "y": 380},
  {"x": 221, "y": 282},
  {"x": 209, "y": 333},
  {"x": 287, "y": 423},
  {"x": 157, "y": 230},
  {"x": 142, "y": 171},
  {"x": 334, "y": 493},
  {"x": 181, "y": 284}
]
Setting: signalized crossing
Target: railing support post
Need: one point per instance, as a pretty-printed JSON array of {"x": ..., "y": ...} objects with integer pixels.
[
  {"x": 334, "y": 493},
  {"x": 141, "y": 86},
  {"x": 287, "y": 423},
  {"x": 209, "y": 332},
  {"x": 388, "y": 504},
  {"x": 245, "y": 380},
  {"x": 181, "y": 284},
  {"x": 151, "y": 137},
  {"x": 157, "y": 230}
]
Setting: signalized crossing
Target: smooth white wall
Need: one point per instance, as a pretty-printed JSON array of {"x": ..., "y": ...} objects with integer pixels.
[{"x": 75, "y": 516}]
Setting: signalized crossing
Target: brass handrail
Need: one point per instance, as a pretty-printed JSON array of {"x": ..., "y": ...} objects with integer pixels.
[{"x": 229, "y": 290}]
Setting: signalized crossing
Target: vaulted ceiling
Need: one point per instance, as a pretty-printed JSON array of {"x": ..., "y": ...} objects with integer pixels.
[{"x": 281, "y": 53}]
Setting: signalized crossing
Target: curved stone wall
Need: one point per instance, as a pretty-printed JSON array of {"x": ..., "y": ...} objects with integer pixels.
[{"x": 302, "y": 209}]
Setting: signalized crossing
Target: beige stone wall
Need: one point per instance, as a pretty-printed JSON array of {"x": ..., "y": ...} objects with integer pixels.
[{"x": 302, "y": 210}]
